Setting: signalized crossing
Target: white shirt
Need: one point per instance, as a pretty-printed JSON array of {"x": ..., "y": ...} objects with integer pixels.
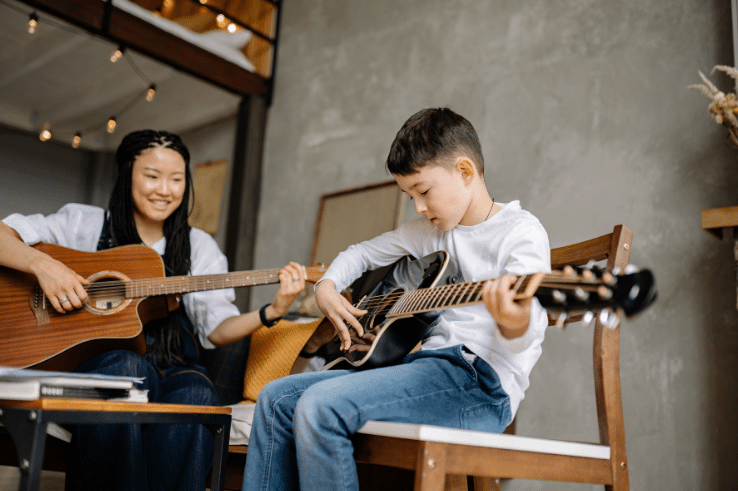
[
  {"x": 79, "y": 227},
  {"x": 512, "y": 241}
]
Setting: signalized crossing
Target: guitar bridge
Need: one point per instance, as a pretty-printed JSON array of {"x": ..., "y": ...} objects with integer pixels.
[{"x": 38, "y": 306}]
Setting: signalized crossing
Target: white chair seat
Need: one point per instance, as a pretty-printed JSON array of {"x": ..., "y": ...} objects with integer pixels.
[{"x": 484, "y": 439}]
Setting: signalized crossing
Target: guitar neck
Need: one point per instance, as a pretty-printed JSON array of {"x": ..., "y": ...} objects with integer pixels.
[
  {"x": 177, "y": 285},
  {"x": 470, "y": 293}
]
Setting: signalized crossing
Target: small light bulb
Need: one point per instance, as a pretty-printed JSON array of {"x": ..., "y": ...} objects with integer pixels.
[
  {"x": 45, "y": 133},
  {"x": 232, "y": 27},
  {"x": 117, "y": 54},
  {"x": 221, "y": 21},
  {"x": 76, "y": 140},
  {"x": 32, "y": 23},
  {"x": 150, "y": 93},
  {"x": 111, "y": 125}
]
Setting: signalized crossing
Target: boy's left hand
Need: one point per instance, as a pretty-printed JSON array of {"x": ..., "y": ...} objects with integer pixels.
[{"x": 511, "y": 316}]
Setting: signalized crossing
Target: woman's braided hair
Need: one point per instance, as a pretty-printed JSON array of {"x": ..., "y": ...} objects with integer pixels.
[{"x": 167, "y": 349}]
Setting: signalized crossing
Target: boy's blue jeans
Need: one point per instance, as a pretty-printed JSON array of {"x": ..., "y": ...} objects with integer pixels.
[{"x": 302, "y": 428}]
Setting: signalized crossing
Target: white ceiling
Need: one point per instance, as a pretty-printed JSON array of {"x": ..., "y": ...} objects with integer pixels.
[{"x": 62, "y": 76}]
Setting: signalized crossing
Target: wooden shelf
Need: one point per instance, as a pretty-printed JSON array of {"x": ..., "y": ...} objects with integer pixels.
[{"x": 714, "y": 220}]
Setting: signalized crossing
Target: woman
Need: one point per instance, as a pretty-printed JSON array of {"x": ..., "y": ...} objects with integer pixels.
[{"x": 149, "y": 205}]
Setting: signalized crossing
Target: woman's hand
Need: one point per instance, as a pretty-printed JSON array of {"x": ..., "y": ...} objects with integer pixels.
[
  {"x": 512, "y": 317},
  {"x": 291, "y": 282},
  {"x": 64, "y": 288},
  {"x": 339, "y": 311}
]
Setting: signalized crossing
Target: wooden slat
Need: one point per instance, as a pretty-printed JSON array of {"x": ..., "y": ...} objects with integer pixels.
[
  {"x": 714, "y": 220},
  {"x": 579, "y": 254},
  {"x": 132, "y": 32}
]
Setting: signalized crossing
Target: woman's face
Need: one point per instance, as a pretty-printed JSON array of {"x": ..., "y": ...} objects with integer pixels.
[{"x": 157, "y": 184}]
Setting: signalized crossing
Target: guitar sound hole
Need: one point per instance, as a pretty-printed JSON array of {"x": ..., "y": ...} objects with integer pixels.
[{"x": 107, "y": 295}]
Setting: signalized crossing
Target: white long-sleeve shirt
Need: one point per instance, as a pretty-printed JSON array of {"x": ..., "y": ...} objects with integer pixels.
[
  {"x": 512, "y": 241},
  {"x": 79, "y": 227}
]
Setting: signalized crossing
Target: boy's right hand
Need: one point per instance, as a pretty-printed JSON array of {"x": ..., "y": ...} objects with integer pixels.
[{"x": 339, "y": 311}]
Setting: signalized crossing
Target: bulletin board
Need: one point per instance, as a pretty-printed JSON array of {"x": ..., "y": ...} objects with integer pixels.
[
  {"x": 353, "y": 215},
  {"x": 208, "y": 182}
]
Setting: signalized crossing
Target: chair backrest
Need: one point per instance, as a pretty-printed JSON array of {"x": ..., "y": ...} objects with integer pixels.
[{"x": 614, "y": 248}]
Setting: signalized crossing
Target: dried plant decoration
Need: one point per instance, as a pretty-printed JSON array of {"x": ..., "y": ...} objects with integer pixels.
[{"x": 723, "y": 107}]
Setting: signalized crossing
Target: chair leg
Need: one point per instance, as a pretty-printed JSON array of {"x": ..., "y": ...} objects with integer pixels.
[
  {"x": 455, "y": 482},
  {"x": 430, "y": 467}
]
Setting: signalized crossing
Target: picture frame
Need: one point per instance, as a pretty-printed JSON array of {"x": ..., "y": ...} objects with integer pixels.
[{"x": 353, "y": 215}]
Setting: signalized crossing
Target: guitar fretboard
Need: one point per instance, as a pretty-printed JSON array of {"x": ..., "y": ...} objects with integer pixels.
[
  {"x": 177, "y": 285},
  {"x": 446, "y": 296}
]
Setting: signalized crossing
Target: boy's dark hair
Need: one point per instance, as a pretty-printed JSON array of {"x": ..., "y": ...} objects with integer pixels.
[{"x": 434, "y": 136}]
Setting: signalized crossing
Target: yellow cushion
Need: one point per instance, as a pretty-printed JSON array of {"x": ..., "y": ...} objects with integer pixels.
[{"x": 272, "y": 352}]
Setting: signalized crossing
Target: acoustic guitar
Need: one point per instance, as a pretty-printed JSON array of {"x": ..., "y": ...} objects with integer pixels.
[
  {"x": 127, "y": 289},
  {"x": 405, "y": 298}
]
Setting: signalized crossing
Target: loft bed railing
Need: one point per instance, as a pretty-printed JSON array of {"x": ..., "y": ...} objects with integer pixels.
[{"x": 104, "y": 18}]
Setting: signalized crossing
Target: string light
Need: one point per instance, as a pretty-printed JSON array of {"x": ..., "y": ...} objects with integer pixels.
[
  {"x": 221, "y": 21},
  {"x": 150, "y": 93},
  {"x": 117, "y": 54},
  {"x": 232, "y": 27},
  {"x": 45, "y": 133},
  {"x": 32, "y": 22}
]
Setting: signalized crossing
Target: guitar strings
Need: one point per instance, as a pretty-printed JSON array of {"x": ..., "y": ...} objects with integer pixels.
[
  {"x": 439, "y": 295},
  {"x": 168, "y": 285}
]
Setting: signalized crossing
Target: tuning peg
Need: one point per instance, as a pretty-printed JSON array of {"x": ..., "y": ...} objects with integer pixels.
[
  {"x": 609, "y": 319},
  {"x": 587, "y": 318},
  {"x": 608, "y": 278},
  {"x": 604, "y": 292},
  {"x": 616, "y": 270},
  {"x": 558, "y": 296},
  {"x": 561, "y": 320},
  {"x": 568, "y": 270},
  {"x": 631, "y": 268},
  {"x": 580, "y": 294}
]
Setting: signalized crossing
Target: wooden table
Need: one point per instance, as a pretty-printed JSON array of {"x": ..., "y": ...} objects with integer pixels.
[
  {"x": 715, "y": 220},
  {"x": 27, "y": 421}
]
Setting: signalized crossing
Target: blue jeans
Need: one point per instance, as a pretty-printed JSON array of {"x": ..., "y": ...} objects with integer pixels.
[
  {"x": 302, "y": 428},
  {"x": 128, "y": 457}
]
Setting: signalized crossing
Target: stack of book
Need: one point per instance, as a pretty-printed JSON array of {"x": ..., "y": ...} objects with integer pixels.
[{"x": 22, "y": 384}]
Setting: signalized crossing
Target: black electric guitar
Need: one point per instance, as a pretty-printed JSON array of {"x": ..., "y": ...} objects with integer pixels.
[{"x": 403, "y": 299}]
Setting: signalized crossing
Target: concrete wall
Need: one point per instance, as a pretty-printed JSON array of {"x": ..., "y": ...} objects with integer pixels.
[{"x": 584, "y": 114}]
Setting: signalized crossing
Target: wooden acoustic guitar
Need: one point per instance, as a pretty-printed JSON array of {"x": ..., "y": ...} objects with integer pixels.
[
  {"x": 127, "y": 289},
  {"x": 403, "y": 299}
]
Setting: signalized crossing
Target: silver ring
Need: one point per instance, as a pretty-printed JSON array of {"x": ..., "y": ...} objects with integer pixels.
[
  {"x": 295, "y": 279},
  {"x": 62, "y": 300}
]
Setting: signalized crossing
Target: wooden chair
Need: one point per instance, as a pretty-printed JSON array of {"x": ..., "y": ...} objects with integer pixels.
[{"x": 442, "y": 458}]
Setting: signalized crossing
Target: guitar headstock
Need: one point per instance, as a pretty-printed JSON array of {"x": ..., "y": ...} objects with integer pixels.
[{"x": 572, "y": 294}]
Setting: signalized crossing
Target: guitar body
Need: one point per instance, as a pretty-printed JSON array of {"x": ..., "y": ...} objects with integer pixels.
[
  {"x": 35, "y": 334},
  {"x": 391, "y": 339}
]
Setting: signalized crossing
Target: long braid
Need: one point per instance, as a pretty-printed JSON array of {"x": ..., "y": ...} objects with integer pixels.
[{"x": 168, "y": 346}]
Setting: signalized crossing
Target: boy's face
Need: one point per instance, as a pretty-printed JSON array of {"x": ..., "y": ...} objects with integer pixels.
[{"x": 440, "y": 194}]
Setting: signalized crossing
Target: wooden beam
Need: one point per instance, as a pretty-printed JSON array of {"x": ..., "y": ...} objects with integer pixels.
[{"x": 133, "y": 33}]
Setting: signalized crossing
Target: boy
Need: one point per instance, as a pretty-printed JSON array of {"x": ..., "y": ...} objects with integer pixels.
[{"x": 472, "y": 369}]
